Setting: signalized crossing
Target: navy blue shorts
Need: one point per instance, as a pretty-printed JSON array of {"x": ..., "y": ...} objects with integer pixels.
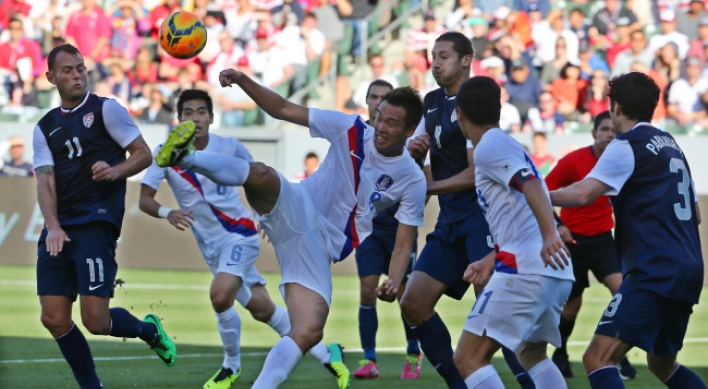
[
  {"x": 449, "y": 249},
  {"x": 593, "y": 253},
  {"x": 645, "y": 319},
  {"x": 373, "y": 256},
  {"x": 86, "y": 265}
]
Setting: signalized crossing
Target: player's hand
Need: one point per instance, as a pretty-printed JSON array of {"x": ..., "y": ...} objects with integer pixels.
[
  {"x": 419, "y": 146},
  {"x": 103, "y": 172},
  {"x": 478, "y": 273},
  {"x": 554, "y": 252},
  {"x": 55, "y": 241},
  {"x": 566, "y": 235},
  {"x": 262, "y": 232},
  {"x": 180, "y": 219},
  {"x": 387, "y": 291},
  {"x": 228, "y": 77}
]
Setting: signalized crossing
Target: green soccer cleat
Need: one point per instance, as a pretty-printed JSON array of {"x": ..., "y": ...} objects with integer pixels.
[
  {"x": 162, "y": 344},
  {"x": 223, "y": 379},
  {"x": 177, "y": 145},
  {"x": 337, "y": 367}
]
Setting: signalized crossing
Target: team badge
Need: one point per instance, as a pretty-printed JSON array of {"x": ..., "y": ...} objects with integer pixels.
[
  {"x": 453, "y": 117},
  {"x": 88, "y": 120},
  {"x": 384, "y": 183},
  {"x": 506, "y": 166}
]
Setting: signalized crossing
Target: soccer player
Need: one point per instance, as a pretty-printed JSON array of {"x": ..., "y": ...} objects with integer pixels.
[
  {"x": 373, "y": 258},
  {"x": 323, "y": 218},
  {"x": 589, "y": 230},
  {"x": 520, "y": 306},
  {"x": 461, "y": 235},
  {"x": 79, "y": 158},
  {"x": 226, "y": 235},
  {"x": 649, "y": 181}
]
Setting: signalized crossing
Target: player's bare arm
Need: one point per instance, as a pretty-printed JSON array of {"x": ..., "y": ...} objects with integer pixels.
[
  {"x": 460, "y": 182},
  {"x": 479, "y": 272},
  {"x": 180, "y": 219},
  {"x": 583, "y": 192},
  {"x": 400, "y": 258},
  {"x": 139, "y": 159},
  {"x": 47, "y": 198},
  {"x": 271, "y": 102},
  {"x": 553, "y": 252}
]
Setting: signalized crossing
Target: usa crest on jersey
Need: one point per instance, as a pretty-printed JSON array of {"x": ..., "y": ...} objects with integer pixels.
[{"x": 88, "y": 120}]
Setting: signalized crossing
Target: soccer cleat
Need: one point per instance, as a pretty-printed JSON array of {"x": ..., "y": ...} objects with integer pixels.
[
  {"x": 560, "y": 358},
  {"x": 223, "y": 379},
  {"x": 411, "y": 370},
  {"x": 337, "y": 367},
  {"x": 177, "y": 145},
  {"x": 367, "y": 369},
  {"x": 626, "y": 370},
  {"x": 162, "y": 344}
]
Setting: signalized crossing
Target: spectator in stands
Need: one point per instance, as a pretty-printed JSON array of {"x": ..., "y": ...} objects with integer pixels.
[
  {"x": 668, "y": 63},
  {"x": 494, "y": 67},
  {"x": 184, "y": 82},
  {"x": 544, "y": 118},
  {"x": 637, "y": 52},
  {"x": 378, "y": 68},
  {"x": 15, "y": 166},
  {"x": 20, "y": 63},
  {"x": 578, "y": 23},
  {"x": 118, "y": 79},
  {"x": 89, "y": 30},
  {"x": 551, "y": 69},
  {"x": 687, "y": 21},
  {"x": 685, "y": 104},
  {"x": 667, "y": 17},
  {"x": 458, "y": 19},
  {"x": 214, "y": 24},
  {"x": 589, "y": 61},
  {"x": 129, "y": 23},
  {"x": 239, "y": 15},
  {"x": 49, "y": 23},
  {"x": 523, "y": 87},
  {"x": 144, "y": 70},
  {"x": 159, "y": 14},
  {"x": 288, "y": 13},
  {"x": 234, "y": 104},
  {"x": 509, "y": 50},
  {"x": 509, "y": 119},
  {"x": 604, "y": 23},
  {"x": 156, "y": 112},
  {"x": 621, "y": 42},
  {"x": 596, "y": 100},
  {"x": 569, "y": 92},
  {"x": 420, "y": 40},
  {"x": 352, "y": 17},
  {"x": 9, "y": 8},
  {"x": 540, "y": 156},
  {"x": 312, "y": 162},
  {"x": 500, "y": 26},
  {"x": 478, "y": 35},
  {"x": 661, "y": 82},
  {"x": 269, "y": 62},
  {"x": 170, "y": 66},
  {"x": 226, "y": 58},
  {"x": 546, "y": 41},
  {"x": 697, "y": 44},
  {"x": 302, "y": 45},
  {"x": 103, "y": 89}
]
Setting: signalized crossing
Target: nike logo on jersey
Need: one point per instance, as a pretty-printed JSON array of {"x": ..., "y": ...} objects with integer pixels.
[
  {"x": 95, "y": 287},
  {"x": 231, "y": 263},
  {"x": 431, "y": 110},
  {"x": 55, "y": 130},
  {"x": 605, "y": 322},
  {"x": 525, "y": 173},
  {"x": 351, "y": 152}
]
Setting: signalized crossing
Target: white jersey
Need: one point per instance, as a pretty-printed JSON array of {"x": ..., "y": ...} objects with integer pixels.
[
  {"x": 498, "y": 157},
  {"x": 218, "y": 212},
  {"x": 354, "y": 182}
]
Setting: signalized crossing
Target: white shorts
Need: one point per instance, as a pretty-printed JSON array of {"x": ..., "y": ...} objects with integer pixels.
[
  {"x": 300, "y": 237},
  {"x": 238, "y": 257},
  {"x": 517, "y": 308}
]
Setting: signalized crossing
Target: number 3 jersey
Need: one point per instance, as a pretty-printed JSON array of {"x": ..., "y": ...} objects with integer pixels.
[
  {"x": 97, "y": 129},
  {"x": 219, "y": 215},
  {"x": 654, "y": 200}
]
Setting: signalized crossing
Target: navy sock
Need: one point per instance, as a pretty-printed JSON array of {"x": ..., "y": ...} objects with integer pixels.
[
  {"x": 684, "y": 377},
  {"x": 436, "y": 344},
  {"x": 125, "y": 325},
  {"x": 607, "y": 377},
  {"x": 566, "y": 328},
  {"x": 368, "y": 325},
  {"x": 520, "y": 374},
  {"x": 76, "y": 351},
  {"x": 412, "y": 340}
]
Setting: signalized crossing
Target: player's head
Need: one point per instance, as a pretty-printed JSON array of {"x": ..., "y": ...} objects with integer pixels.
[
  {"x": 67, "y": 70},
  {"x": 399, "y": 113},
  {"x": 633, "y": 96},
  {"x": 377, "y": 90},
  {"x": 196, "y": 105},
  {"x": 478, "y": 103},
  {"x": 452, "y": 56},
  {"x": 603, "y": 131}
]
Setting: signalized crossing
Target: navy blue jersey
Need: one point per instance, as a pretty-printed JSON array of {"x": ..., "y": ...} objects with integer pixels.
[
  {"x": 77, "y": 140},
  {"x": 656, "y": 230},
  {"x": 448, "y": 156}
]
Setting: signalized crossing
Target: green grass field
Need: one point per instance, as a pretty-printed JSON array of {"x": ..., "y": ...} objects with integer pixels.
[{"x": 29, "y": 358}]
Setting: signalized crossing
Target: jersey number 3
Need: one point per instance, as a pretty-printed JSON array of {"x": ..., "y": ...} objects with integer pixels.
[{"x": 683, "y": 212}]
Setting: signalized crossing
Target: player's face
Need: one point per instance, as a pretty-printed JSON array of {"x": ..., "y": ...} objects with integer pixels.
[
  {"x": 604, "y": 134},
  {"x": 70, "y": 76},
  {"x": 197, "y": 111},
  {"x": 447, "y": 67},
  {"x": 391, "y": 132},
  {"x": 376, "y": 93}
]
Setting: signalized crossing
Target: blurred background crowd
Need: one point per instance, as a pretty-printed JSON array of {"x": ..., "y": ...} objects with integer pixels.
[{"x": 553, "y": 57}]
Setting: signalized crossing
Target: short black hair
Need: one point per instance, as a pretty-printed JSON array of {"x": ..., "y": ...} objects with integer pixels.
[
  {"x": 65, "y": 48},
  {"x": 408, "y": 98},
  {"x": 460, "y": 43},
  {"x": 312, "y": 154},
  {"x": 539, "y": 134},
  {"x": 378, "y": 83},
  {"x": 564, "y": 69},
  {"x": 636, "y": 93},
  {"x": 599, "y": 118},
  {"x": 194, "y": 94},
  {"x": 479, "y": 98}
]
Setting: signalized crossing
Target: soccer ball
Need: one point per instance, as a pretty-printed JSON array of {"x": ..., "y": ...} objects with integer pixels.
[{"x": 183, "y": 35}]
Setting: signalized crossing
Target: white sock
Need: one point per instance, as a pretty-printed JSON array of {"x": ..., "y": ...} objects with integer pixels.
[
  {"x": 485, "y": 378},
  {"x": 320, "y": 352},
  {"x": 220, "y": 168},
  {"x": 545, "y": 374},
  {"x": 281, "y": 360},
  {"x": 280, "y": 321},
  {"x": 230, "y": 331}
]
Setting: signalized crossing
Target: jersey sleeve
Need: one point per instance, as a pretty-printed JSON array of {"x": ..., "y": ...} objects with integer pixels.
[
  {"x": 154, "y": 174},
  {"x": 420, "y": 130},
  {"x": 242, "y": 152},
  {"x": 119, "y": 124},
  {"x": 42, "y": 155},
  {"x": 615, "y": 166},
  {"x": 412, "y": 204},
  {"x": 330, "y": 124},
  {"x": 500, "y": 160}
]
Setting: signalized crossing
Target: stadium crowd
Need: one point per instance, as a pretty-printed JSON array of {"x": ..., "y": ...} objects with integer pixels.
[{"x": 553, "y": 58}]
